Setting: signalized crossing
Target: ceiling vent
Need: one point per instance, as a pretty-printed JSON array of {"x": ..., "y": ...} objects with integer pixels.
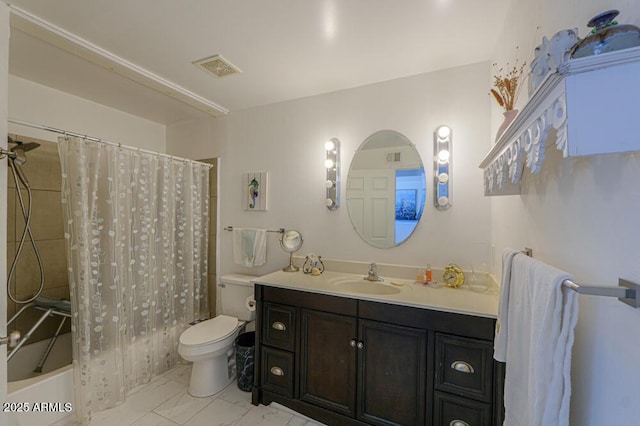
[
  {"x": 393, "y": 157},
  {"x": 217, "y": 65}
]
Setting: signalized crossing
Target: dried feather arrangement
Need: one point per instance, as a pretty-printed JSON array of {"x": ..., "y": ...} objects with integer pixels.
[{"x": 506, "y": 86}]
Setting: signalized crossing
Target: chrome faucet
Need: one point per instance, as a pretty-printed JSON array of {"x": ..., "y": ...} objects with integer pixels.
[{"x": 373, "y": 273}]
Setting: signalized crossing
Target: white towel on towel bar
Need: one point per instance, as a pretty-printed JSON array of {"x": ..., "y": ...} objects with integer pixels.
[
  {"x": 534, "y": 336},
  {"x": 249, "y": 246}
]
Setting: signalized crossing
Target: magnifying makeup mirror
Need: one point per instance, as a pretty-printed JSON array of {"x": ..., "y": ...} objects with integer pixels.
[{"x": 291, "y": 241}]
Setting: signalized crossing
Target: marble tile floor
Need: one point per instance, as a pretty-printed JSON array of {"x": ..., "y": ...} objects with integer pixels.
[{"x": 164, "y": 401}]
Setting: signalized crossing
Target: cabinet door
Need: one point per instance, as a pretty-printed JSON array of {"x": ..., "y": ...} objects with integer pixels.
[
  {"x": 328, "y": 360},
  {"x": 392, "y": 374}
]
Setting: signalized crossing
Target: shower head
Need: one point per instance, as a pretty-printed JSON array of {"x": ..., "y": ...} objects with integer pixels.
[{"x": 24, "y": 147}]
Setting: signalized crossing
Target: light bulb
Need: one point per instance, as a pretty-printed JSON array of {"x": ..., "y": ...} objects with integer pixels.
[
  {"x": 444, "y": 132},
  {"x": 443, "y": 178},
  {"x": 329, "y": 184},
  {"x": 329, "y": 146},
  {"x": 443, "y": 201},
  {"x": 443, "y": 156},
  {"x": 328, "y": 163},
  {"x": 329, "y": 202}
]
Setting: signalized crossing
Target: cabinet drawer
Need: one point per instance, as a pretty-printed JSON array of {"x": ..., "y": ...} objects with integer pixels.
[
  {"x": 449, "y": 410},
  {"x": 279, "y": 326},
  {"x": 277, "y": 371},
  {"x": 464, "y": 366}
]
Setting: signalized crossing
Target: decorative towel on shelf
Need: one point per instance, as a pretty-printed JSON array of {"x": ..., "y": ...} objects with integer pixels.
[
  {"x": 249, "y": 246},
  {"x": 534, "y": 336}
]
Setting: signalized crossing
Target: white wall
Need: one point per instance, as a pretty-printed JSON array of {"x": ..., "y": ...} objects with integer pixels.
[
  {"x": 287, "y": 140},
  {"x": 581, "y": 215},
  {"x": 38, "y": 104}
]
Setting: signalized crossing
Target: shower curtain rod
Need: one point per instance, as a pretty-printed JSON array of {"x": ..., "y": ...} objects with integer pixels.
[{"x": 90, "y": 138}]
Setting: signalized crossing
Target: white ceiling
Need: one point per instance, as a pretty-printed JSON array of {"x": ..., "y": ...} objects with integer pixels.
[{"x": 287, "y": 49}]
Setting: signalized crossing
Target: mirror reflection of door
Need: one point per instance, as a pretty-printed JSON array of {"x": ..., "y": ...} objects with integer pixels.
[
  {"x": 371, "y": 200},
  {"x": 386, "y": 189}
]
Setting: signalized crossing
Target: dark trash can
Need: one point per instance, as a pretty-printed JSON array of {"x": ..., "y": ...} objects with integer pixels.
[{"x": 245, "y": 359}]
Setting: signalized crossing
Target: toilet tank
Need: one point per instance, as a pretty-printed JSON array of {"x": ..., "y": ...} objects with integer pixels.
[{"x": 234, "y": 290}]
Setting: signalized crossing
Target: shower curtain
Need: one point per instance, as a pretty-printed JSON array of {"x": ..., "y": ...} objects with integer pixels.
[{"x": 136, "y": 228}]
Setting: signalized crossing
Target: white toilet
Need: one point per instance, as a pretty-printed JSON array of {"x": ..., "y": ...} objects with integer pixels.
[{"x": 209, "y": 344}]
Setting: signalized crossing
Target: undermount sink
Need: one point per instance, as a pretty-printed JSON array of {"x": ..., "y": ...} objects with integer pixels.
[{"x": 365, "y": 287}]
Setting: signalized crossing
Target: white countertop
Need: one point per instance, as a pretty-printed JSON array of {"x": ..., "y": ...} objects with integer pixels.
[{"x": 456, "y": 300}]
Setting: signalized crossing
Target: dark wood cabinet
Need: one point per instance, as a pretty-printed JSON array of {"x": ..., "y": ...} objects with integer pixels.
[
  {"x": 391, "y": 374},
  {"x": 450, "y": 410},
  {"x": 328, "y": 360},
  {"x": 347, "y": 361},
  {"x": 464, "y": 366}
]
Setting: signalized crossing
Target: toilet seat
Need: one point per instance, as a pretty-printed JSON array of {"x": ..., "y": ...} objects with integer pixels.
[{"x": 209, "y": 331}]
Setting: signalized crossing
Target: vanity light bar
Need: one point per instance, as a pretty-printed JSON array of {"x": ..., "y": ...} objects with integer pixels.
[
  {"x": 332, "y": 164},
  {"x": 442, "y": 167}
]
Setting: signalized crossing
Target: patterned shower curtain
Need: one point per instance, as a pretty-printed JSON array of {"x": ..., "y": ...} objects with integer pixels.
[{"x": 136, "y": 239}]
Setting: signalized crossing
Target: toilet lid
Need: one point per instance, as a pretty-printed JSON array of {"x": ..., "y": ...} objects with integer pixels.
[{"x": 209, "y": 331}]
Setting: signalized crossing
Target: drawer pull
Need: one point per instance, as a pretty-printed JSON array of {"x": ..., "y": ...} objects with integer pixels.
[
  {"x": 278, "y": 326},
  {"x": 277, "y": 371},
  {"x": 458, "y": 423},
  {"x": 353, "y": 343},
  {"x": 462, "y": 367},
  {"x": 360, "y": 345}
]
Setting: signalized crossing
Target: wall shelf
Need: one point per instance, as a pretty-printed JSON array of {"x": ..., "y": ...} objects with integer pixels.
[{"x": 590, "y": 105}]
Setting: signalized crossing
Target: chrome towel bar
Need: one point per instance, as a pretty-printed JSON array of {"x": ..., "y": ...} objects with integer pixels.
[
  {"x": 626, "y": 291},
  {"x": 279, "y": 231}
]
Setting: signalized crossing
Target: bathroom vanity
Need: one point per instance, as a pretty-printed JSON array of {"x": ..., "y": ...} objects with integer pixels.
[{"x": 341, "y": 352}]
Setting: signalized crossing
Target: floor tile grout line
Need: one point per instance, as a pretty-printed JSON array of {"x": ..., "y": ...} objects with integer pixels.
[
  {"x": 173, "y": 395},
  {"x": 169, "y": 420}
]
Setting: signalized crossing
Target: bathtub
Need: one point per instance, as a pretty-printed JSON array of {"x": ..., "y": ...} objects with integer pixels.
[{"x": 53, "y": 385}]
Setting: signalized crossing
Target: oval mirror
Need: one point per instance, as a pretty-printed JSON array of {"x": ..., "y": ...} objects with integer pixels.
[
  {"x": 291, "y": 241},
  {"x": 386, "y": 189}
]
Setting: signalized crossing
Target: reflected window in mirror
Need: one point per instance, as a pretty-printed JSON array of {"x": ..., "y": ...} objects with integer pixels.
[{"x": 386, "y": 189}]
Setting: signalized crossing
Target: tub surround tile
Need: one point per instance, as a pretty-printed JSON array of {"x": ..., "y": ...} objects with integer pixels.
[
  {"x": 11, "y": 183},
  {"x": 211, "y": 255},
  {"x": 30, "y": 316},
  {"x": 11, "y": 215},
  {"x": 43, "y": 168},
  {"x": 213, "y": 175},
  {"x": 212, "y": 294},
  {"x": 213, "y": 215},
  {"x": 11, "y": 248},
  {"x": 53, "y": 255},
  {"x": 46, "y": 216}
]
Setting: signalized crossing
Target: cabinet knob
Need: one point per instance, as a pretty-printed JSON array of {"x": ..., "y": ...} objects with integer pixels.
[
  {"x": 360, "y": 345},
  {"x": 463, "y": 367},
  {"x": 278, "y": 326},
  {"x": 458, "y": 423},
  {"x": 353, "y": 343},
  {"x": 277, "y": 371}
]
